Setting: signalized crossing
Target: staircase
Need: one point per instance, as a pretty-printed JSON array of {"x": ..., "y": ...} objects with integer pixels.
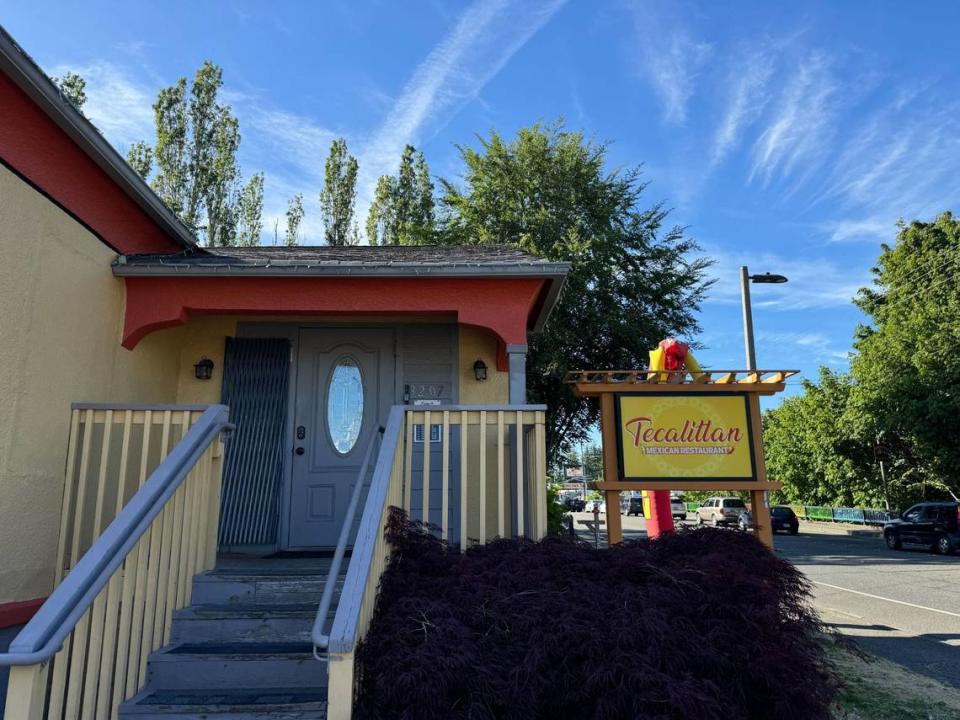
[{"x": 242, "y": 650}]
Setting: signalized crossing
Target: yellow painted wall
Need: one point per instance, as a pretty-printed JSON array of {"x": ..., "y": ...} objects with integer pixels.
[
  {"x": 477, "y": 343},
  {"x": 60, "y": 323}
]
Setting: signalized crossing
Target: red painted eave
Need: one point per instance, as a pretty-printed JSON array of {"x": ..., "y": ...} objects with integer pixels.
[
  {"x": 34, "y": 147},
  {"x": 503, "y": 305}
]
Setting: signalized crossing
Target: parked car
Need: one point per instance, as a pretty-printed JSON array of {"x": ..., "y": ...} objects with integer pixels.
[
  {"x": 678, "y": 509},
  {"x": 635, "y": 506},
  {"x": 571, "y": 503},
  {"x": 720, "y": 511},
  {"x": 591, "y": 504},
  {"x": 933, "y": 524},
  {"x": 783, "y": 518},
  {"x": 745, "y": 521}
]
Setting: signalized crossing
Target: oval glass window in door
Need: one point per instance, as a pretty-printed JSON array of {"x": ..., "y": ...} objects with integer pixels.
[{"x": 345, "y": 405}]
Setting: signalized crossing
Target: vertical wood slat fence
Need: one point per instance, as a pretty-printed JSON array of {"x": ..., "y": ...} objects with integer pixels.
[
  {"x": 497, "y": 467},
  {"x": 102, "y": 661},
  {"x": 500, "y": 461}
]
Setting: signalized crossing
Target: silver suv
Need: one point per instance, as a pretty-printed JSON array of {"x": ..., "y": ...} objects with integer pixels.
[{"x": 720, "y": 511}]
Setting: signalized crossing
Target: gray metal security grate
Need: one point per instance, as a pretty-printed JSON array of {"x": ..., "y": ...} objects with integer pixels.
[{"x": 255, "y": 388}]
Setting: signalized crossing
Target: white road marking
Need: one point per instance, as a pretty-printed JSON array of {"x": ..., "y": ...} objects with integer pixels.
[{"x": 891, "y": 600}]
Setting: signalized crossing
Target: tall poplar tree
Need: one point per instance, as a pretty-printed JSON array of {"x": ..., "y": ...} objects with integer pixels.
[
  {"x": 295, "y": 214},
  {"x": 192, "y": 164},
  {"x": 402, "y": 209},
  {"x": 339, "y": 194}
]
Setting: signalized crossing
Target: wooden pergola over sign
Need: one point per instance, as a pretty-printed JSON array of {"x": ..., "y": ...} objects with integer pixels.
[{"x": 681, "y": 430}]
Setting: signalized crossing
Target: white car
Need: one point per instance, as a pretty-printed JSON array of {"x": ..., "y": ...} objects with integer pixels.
[
  {"x": 678, "y": 508},
  {"x": 591, "y": 504}
]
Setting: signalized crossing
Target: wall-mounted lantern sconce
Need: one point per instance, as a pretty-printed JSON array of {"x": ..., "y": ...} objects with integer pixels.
[
  {"x": 480, "y": 370},
  {"x": 203, "y": 369}
]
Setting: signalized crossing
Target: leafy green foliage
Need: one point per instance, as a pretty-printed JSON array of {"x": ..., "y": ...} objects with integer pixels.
[
  {"x": 74, "y": 88},
  {"x": 631, "y": 282},
  {"x": 140, "y": 158},
  {"x": 815, "y": 451},
  {"x": 339, "y": 195},
  {"x": 402, "y": 212},
  {"x": 295, "y": 214},
  {"x": 193, "y": 162},
  {"x": 250, "y": 208},
  {"x": 887, "y": 431}
]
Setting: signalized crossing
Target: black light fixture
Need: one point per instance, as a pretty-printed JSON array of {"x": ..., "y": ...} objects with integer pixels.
[
  {"x": 768, "y": 279},
  {"x": 203, "y": 369},
  {"x": 480, "y": 370}
]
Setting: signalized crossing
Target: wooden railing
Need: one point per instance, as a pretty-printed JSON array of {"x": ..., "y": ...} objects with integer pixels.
[
  {"x": 111, "y": 452},
  {"x": 86, "y": 649},
  {"x": 479, "y": 470}
]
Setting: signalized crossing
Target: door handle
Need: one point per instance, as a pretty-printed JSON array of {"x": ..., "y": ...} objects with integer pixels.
[{"x": 299, "y": 451}]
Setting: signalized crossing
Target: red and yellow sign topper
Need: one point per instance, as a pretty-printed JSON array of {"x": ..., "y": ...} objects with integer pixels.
[{"x": 697, "y": 436}]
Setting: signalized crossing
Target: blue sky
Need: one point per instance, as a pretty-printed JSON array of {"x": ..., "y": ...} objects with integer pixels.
[{"x": 789, "y": 137}]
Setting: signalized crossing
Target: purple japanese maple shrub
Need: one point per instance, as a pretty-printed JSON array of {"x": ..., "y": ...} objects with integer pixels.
[{"x": 697, "y": 624}]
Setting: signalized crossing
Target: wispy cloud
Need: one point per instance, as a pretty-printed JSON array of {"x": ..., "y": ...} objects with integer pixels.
[
  {"x": 484, "y": 38},
  {"x": 119, "y": 104},
  {"x": 901, "y": 162},
  {"x": 815, "y": 283},
  {"x": 814, "y": 345},
  {"x": 748, "y": 78},
  {"x": 800, "y": 127},
  {"x": 670, "y": 60}
]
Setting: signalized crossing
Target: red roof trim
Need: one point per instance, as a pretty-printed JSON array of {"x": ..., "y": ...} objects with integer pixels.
[
  {"x": 503, "y": 305},
  {"x": 38, "y": 151}
]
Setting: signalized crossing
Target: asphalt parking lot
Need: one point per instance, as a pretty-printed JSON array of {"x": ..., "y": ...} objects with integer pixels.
[{"x": 902, "y": 605}]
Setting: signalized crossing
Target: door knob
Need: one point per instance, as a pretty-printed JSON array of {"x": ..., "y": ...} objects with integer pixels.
[{"x": 299, "y": 451}]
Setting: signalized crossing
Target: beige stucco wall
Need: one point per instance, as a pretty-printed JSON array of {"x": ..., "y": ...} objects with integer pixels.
[
  {"x": 477, "y": 343},
  {"x": 59, "y": 343}
]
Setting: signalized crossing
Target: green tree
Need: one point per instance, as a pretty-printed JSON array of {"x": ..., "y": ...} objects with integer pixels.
[
  {"x": 74, "y": 88},
  {"x": 194, "y": 162},
  {"x": 815, "y": 451},
  {"x": 907, "y": 366},
  {"x": 339, "y": 195},
  {"x": 249, "y": 211},
  {"x": 140, "y": 158},
  {"x": 295, "y": 214},
  {"x": 631, "y": 283},
  {"x": 402, "y": 212}
]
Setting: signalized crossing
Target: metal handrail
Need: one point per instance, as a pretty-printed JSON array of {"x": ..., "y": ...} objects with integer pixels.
[
  {"x": 321, "y": 640},
  {"x": 43, "y": 636},
  {"x": 343, "y": 633}
]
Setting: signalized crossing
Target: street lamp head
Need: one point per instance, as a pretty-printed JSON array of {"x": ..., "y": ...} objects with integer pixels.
[{"x": 768, "y": 278}]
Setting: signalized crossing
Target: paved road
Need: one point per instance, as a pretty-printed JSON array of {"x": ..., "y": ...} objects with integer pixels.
[{"x": 902, "y": 605}]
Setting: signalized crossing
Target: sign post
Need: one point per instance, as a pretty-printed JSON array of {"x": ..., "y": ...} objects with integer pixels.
[{"x": 681, "y": 430}]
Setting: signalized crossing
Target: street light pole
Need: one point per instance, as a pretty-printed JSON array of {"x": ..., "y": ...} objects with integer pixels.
[
  {"x": 747, "y": 319},
  {"x": 745, "y": 279}
]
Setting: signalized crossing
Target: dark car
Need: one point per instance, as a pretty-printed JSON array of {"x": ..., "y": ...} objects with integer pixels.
[
  {"x": 783, "y": 518},
  {"x": 635, "y": 507},
  {"x": 571, "y": 503},
  {"x": 932, "y": 524}
]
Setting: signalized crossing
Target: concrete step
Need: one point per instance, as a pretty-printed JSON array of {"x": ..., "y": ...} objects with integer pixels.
[
  {"x": 217, "y": 588},
  {"x": 235, "y": 665},
  {"x": 236, "y": 622},
  {"x": 303, "y": 703}
]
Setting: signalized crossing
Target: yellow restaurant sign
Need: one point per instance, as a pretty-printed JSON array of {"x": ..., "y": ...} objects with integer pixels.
[{"x": 698, "y": 436}]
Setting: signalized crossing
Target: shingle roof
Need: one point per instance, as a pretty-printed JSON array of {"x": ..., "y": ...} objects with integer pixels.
[{"x": 344, "y": 260}]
